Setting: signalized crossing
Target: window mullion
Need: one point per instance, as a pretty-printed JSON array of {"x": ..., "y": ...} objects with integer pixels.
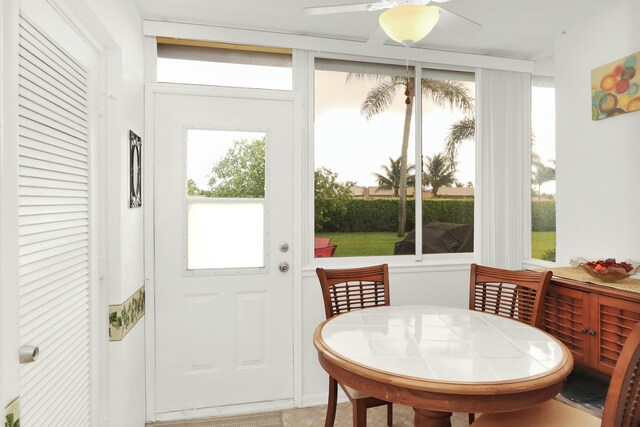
[{"x": 418, "y": 160}]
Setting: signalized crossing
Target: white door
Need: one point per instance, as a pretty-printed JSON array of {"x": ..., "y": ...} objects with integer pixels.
[
  {"x": 222, "y": 210},
  {"x": 56, "y": 88}
]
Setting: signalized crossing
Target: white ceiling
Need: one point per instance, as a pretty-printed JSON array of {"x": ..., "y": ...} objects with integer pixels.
[{"x": 522, "y": 29}]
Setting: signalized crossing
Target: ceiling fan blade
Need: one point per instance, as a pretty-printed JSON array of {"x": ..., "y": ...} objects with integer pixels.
[
  {"x": 341, "y": 8},
  {"x": 457, "y": 24},
  {"x": 378, "y": 37}
]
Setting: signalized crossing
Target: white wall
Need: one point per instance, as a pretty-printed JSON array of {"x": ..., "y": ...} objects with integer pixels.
[
  {"x": 117, "y": 24},
  {"x": 598, "y": 173},
  {"x": 125, "y": 257}
]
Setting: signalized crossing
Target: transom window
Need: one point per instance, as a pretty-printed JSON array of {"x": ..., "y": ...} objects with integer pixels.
[{"x": 222, "y": 64}]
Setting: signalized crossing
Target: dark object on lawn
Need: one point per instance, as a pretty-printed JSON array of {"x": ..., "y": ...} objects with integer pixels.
[{"x": 438, "y": 238}]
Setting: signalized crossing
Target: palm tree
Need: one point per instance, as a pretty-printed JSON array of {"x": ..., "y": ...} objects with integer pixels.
[
  {"x": 462, "y": 130},
  {"x": 438, "y": 172},
  {"x": 541, "y": 173},
  {"x": 378, "y": 99},
  {"x": 465, "y": 129},
  {"x": 391, "y": 177}
]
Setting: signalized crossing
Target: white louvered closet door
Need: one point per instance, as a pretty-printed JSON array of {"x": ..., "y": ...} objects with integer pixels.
[{"x": 54, "y": 233}]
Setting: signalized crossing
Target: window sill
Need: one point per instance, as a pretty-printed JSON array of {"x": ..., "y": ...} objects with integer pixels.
[
  {"x": 397, "y": 264},
  {"x": 537, "y": 263}
]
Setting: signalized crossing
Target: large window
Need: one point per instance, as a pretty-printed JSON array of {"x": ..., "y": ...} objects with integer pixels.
[
  {"x": 366, "y": 162},
  {"x": 220, "y": 64},
  {"x": 543, "y": 170}
]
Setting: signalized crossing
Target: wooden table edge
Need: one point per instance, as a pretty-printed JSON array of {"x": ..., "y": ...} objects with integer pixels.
[{"x": 439, "y": 386}]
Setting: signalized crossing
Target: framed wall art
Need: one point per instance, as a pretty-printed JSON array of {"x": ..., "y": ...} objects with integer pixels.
[
  {"x": 135, "y": 170},
  {"x": 615, "y": 88}
]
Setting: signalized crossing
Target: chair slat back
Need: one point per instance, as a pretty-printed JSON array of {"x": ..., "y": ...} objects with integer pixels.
[
  {"x": 622, "y": 405},
  {"x": 353, "y": 288},
  {"x": 509, "y": 293}
]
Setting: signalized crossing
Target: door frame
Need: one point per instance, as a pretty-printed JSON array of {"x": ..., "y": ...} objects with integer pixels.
[{"x": 151, "y": 90}]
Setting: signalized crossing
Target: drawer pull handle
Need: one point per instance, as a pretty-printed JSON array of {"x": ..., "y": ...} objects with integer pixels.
[
  {"x": 583, "y": 330},
  {"x": 592, "y": 332}
]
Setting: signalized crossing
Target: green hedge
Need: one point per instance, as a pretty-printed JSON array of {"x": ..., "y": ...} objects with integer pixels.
[
  {"x": 456, "y": 211},
  {"x": 382, "y": 214},
  {"x": 543, "y": 215}
]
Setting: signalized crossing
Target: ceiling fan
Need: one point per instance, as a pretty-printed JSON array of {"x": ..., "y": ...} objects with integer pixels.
[{"x": 395, "y": 16}]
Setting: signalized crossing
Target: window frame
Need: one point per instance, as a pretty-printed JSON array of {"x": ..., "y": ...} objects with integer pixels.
[{"x": 308, "y": 222}]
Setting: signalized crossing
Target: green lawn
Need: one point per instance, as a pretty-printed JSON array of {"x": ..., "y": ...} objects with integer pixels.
[
  {"x": 541, "y": 242},
  {"x": 368, "y": 244},
  {"x": 362, "y": 244}
]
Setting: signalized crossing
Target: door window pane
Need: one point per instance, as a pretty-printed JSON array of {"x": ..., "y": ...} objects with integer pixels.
[
  {"x": 225, "y": 199},
  {"x": 543, "y": 170},
  {"x": 225, "y": 235}
]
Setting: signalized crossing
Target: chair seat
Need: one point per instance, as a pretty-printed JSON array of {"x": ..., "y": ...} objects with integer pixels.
[
  {"x": 353, "y": 393},
  {"x": 549, "y": 414}
]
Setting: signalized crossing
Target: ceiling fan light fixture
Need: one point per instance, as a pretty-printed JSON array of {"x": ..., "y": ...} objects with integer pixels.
[{"x": 410, "y": 23}]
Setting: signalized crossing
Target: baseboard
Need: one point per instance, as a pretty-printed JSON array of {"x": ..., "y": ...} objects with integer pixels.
[{"x": 248, "y": 408}]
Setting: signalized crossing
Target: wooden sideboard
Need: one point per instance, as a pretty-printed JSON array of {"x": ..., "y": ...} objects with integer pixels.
[{"x": 592, "y": 320}]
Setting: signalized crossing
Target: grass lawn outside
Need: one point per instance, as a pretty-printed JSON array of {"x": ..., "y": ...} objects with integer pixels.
[
  {"x": 541, "y": 242},
  {"x": 382, "y": 243},
  {"x": 362, "y": 244}
]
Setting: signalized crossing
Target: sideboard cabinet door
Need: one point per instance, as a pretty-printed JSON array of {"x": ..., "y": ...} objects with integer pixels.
[
  {"x": 613, "y": 320},
  {"x": 566, "y": 318}
]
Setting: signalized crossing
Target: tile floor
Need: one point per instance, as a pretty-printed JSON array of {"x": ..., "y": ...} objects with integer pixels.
[{"x": 376, "y": 417}]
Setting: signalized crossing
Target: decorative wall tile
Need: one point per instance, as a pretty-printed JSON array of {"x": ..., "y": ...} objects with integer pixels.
[
  {"x": 12, "y": 413},
  {"x": 123, "y": 317}
]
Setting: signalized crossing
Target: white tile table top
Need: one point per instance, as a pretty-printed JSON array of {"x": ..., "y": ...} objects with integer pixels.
[{"x": 442, "y": 343}]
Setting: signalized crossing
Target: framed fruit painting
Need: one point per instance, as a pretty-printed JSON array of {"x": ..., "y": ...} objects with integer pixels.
[{"x": 615, "y": 88}]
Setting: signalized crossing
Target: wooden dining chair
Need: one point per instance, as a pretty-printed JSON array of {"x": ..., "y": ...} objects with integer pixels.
[
  {"x": 621, "y": 407},
  {"x": 344, "y": 290},
  {"x": 510, "y": 293}
]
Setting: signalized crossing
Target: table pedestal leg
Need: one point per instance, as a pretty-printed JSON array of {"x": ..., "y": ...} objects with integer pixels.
[{"x": 426, "y": 418}]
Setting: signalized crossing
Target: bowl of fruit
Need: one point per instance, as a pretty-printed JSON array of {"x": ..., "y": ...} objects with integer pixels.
[{"x": 608, "y": 270}]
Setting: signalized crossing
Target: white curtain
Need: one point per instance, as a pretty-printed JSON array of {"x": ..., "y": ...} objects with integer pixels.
[{"x": 503, "y": 134}]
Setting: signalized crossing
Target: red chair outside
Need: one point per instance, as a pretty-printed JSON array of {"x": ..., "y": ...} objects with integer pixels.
[
  {"x": 321, "y": 242},
  {"x": 325, "y": 252},
  {"x": 323, "y": 247}
]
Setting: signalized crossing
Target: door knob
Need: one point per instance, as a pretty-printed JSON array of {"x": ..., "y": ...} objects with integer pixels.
[
  {"x": 28, "y": 354},
  {"x": 284, "y": 267}
]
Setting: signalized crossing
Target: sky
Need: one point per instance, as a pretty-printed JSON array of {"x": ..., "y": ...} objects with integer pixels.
[
  {"x": 355, "y": 148},
  {"x": 344, "y": 140}
]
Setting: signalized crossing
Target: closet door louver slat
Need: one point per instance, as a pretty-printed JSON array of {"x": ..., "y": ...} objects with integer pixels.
[{"x": 53, "y": 180}]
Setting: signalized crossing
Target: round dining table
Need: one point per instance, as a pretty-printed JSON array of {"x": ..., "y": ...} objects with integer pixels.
[{"x": 440, "y": 360}]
